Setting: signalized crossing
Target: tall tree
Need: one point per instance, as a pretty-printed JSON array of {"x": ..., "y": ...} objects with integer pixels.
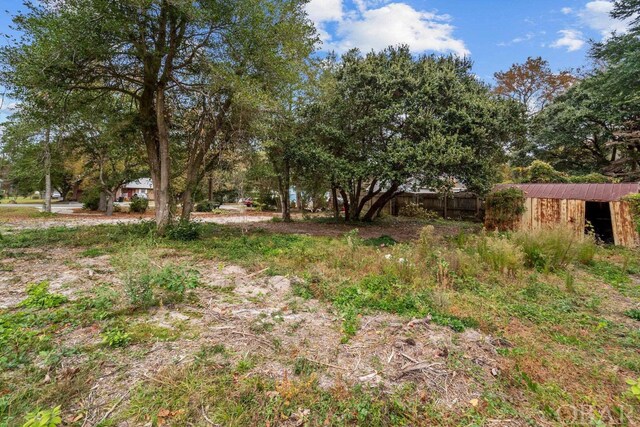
[
  {"x": 156, "y": 52},
  {"x": 532, "y": 83},
  {"x": 595, "y": 125},
  {"x": 389, "y": 121}
]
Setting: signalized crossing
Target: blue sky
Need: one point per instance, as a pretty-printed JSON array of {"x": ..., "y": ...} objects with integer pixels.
[{"x": 493, "y": 33}]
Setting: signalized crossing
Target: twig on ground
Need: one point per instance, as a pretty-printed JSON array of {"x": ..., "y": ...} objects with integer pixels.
[
  {"x": 113, "y": 408},
  {"x": 393, "y": 353},
  {"x": 327, "y": 364},
  {"x": 256, "y": 273},
  {"x": 204, "y": 415},
  {"x": 408, "y": 357}
]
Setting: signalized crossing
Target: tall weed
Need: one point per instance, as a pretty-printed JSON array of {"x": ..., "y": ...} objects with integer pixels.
[
  {"x": 500, "y": 254},
  {"x": 554, "y": 248}
]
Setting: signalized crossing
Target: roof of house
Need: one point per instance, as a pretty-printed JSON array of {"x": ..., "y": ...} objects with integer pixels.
[
  {"x": 588, "y": 192},
  {"x": 140, "y": 183}
]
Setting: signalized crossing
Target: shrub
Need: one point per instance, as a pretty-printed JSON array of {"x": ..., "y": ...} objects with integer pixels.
[
  {"x": 139, "y": 204},
  {"x": 184, "y": 231},
  {"x": 554, "y": 248},
  {"x": 500, "y": 254},
  {"x": 503, "y": 208},
  {"x": 207, "y": 206},
  {"x": 591, "y": 178},
  {"x": 91, "y": 199},
  {"x": 43, "y": 418},
  {"x": 414, "y": 210},
  {"x": 39, "y": 297}
]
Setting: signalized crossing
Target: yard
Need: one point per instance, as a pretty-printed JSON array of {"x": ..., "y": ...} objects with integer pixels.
[{"x": 313, "y": 323}]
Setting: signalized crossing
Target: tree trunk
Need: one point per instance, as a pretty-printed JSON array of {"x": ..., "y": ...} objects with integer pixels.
[
  {"x": 346, "y": 205},
  {"x": 283, "y": 184},
  {"x": 162, "y": 187},
  {"x": 102, "y": 205},
  {"x": 381, "y": 202},
  {"x": 109, "y": 209},
  {"x": 210, "y": 194},
  {"x": 47, "y": 171},
  {"x": 299, "y": 203},
  {"x": 336, "y": 206},
  {"x": 187, "y": 204}
]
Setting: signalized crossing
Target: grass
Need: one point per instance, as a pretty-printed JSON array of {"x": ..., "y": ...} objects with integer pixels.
[{"x": 550, "y": 299}]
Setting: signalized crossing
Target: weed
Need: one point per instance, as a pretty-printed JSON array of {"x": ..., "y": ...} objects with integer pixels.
[
  {"x": 500, "y": 254},
  {"x": 184, "y": 231},
  {"x": 92, "y": 253},
  {"x": 634, "y": 313},
  {"x": 554, "y": 248},
  {"x": 116, "y": 337},
  {"x": 634, "y": 388},
  {"x": 303, "y": 366},
  {"x": 43, "y": 418},
  {"x": 39, "y": 297}
]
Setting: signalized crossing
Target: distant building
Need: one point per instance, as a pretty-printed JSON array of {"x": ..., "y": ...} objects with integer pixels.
[{"x": 142, "y": 187}]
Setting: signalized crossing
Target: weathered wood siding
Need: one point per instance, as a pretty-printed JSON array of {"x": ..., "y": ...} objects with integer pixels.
[
  {"x": 547, "y": 213},
  {"x": 624, "y": 229}
]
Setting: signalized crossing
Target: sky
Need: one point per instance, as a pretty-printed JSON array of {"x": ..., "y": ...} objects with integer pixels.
[{"x": 494, "y": 34}]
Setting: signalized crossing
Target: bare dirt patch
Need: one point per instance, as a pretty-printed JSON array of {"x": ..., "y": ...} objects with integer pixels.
[{"x": 254, "y": 316}]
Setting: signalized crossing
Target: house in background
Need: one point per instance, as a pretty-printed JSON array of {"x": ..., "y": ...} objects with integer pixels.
[
  {"x": 576, "y": 205},
  {"x": 142, "y": 187}
]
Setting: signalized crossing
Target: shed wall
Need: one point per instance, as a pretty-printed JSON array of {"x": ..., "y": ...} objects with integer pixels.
[
  {"x": 546, "y": 213},
  {"x": 624, "y": 229}
]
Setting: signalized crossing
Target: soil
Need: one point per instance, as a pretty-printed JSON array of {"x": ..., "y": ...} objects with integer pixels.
[{"x": 255, "y": 315}]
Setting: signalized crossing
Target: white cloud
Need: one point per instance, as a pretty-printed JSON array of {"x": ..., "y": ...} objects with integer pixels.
[
  {"x": 572, "y": 40},
  {"x": 320, "y": 11},
  {"x": 527, "y": 37},
  {"x": 566, "y": 10},
  {"x": 370, "y": 27},
  {"x": 596, "y": 15}
]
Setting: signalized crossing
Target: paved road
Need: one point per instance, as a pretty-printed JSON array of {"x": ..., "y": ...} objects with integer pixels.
[{"x": 65, "y": 208}]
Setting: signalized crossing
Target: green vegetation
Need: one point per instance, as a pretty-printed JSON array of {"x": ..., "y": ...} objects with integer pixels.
[
  {"x": 503, "y": 208},
  {"x": 542, "y": 295},
  {"x": 139, "y": 204},
  {"x": 44, "y": 418}
]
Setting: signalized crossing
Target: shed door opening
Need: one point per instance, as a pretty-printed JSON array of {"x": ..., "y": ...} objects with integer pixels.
[{"x": 598, "y": 216}]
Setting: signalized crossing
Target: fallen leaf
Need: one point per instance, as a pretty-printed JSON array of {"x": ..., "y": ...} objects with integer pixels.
[{"x": 474, "y": 402}]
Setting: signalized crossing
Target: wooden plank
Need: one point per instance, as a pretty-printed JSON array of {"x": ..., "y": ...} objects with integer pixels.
[{"x": 624, "y": 229}]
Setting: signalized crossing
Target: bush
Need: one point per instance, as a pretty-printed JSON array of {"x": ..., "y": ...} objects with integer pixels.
[
  {"x": 414, "y": 210},
  {"x": 184, "y": 231},
  {"x": 139, "y": 204},
  {"x": 207, "y": 206},
  {"x": 591, "y": 178},
  {"x": 554, "y": 248},
  {"x": 90, "y": 199},
  {"x": 503, "y": 208}
]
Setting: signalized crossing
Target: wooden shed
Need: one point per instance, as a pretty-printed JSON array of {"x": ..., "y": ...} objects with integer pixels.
[{"x": 577, "y": 205}]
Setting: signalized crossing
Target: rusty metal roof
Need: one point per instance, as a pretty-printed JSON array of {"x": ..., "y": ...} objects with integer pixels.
[{"x": 589, "y": 192}]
